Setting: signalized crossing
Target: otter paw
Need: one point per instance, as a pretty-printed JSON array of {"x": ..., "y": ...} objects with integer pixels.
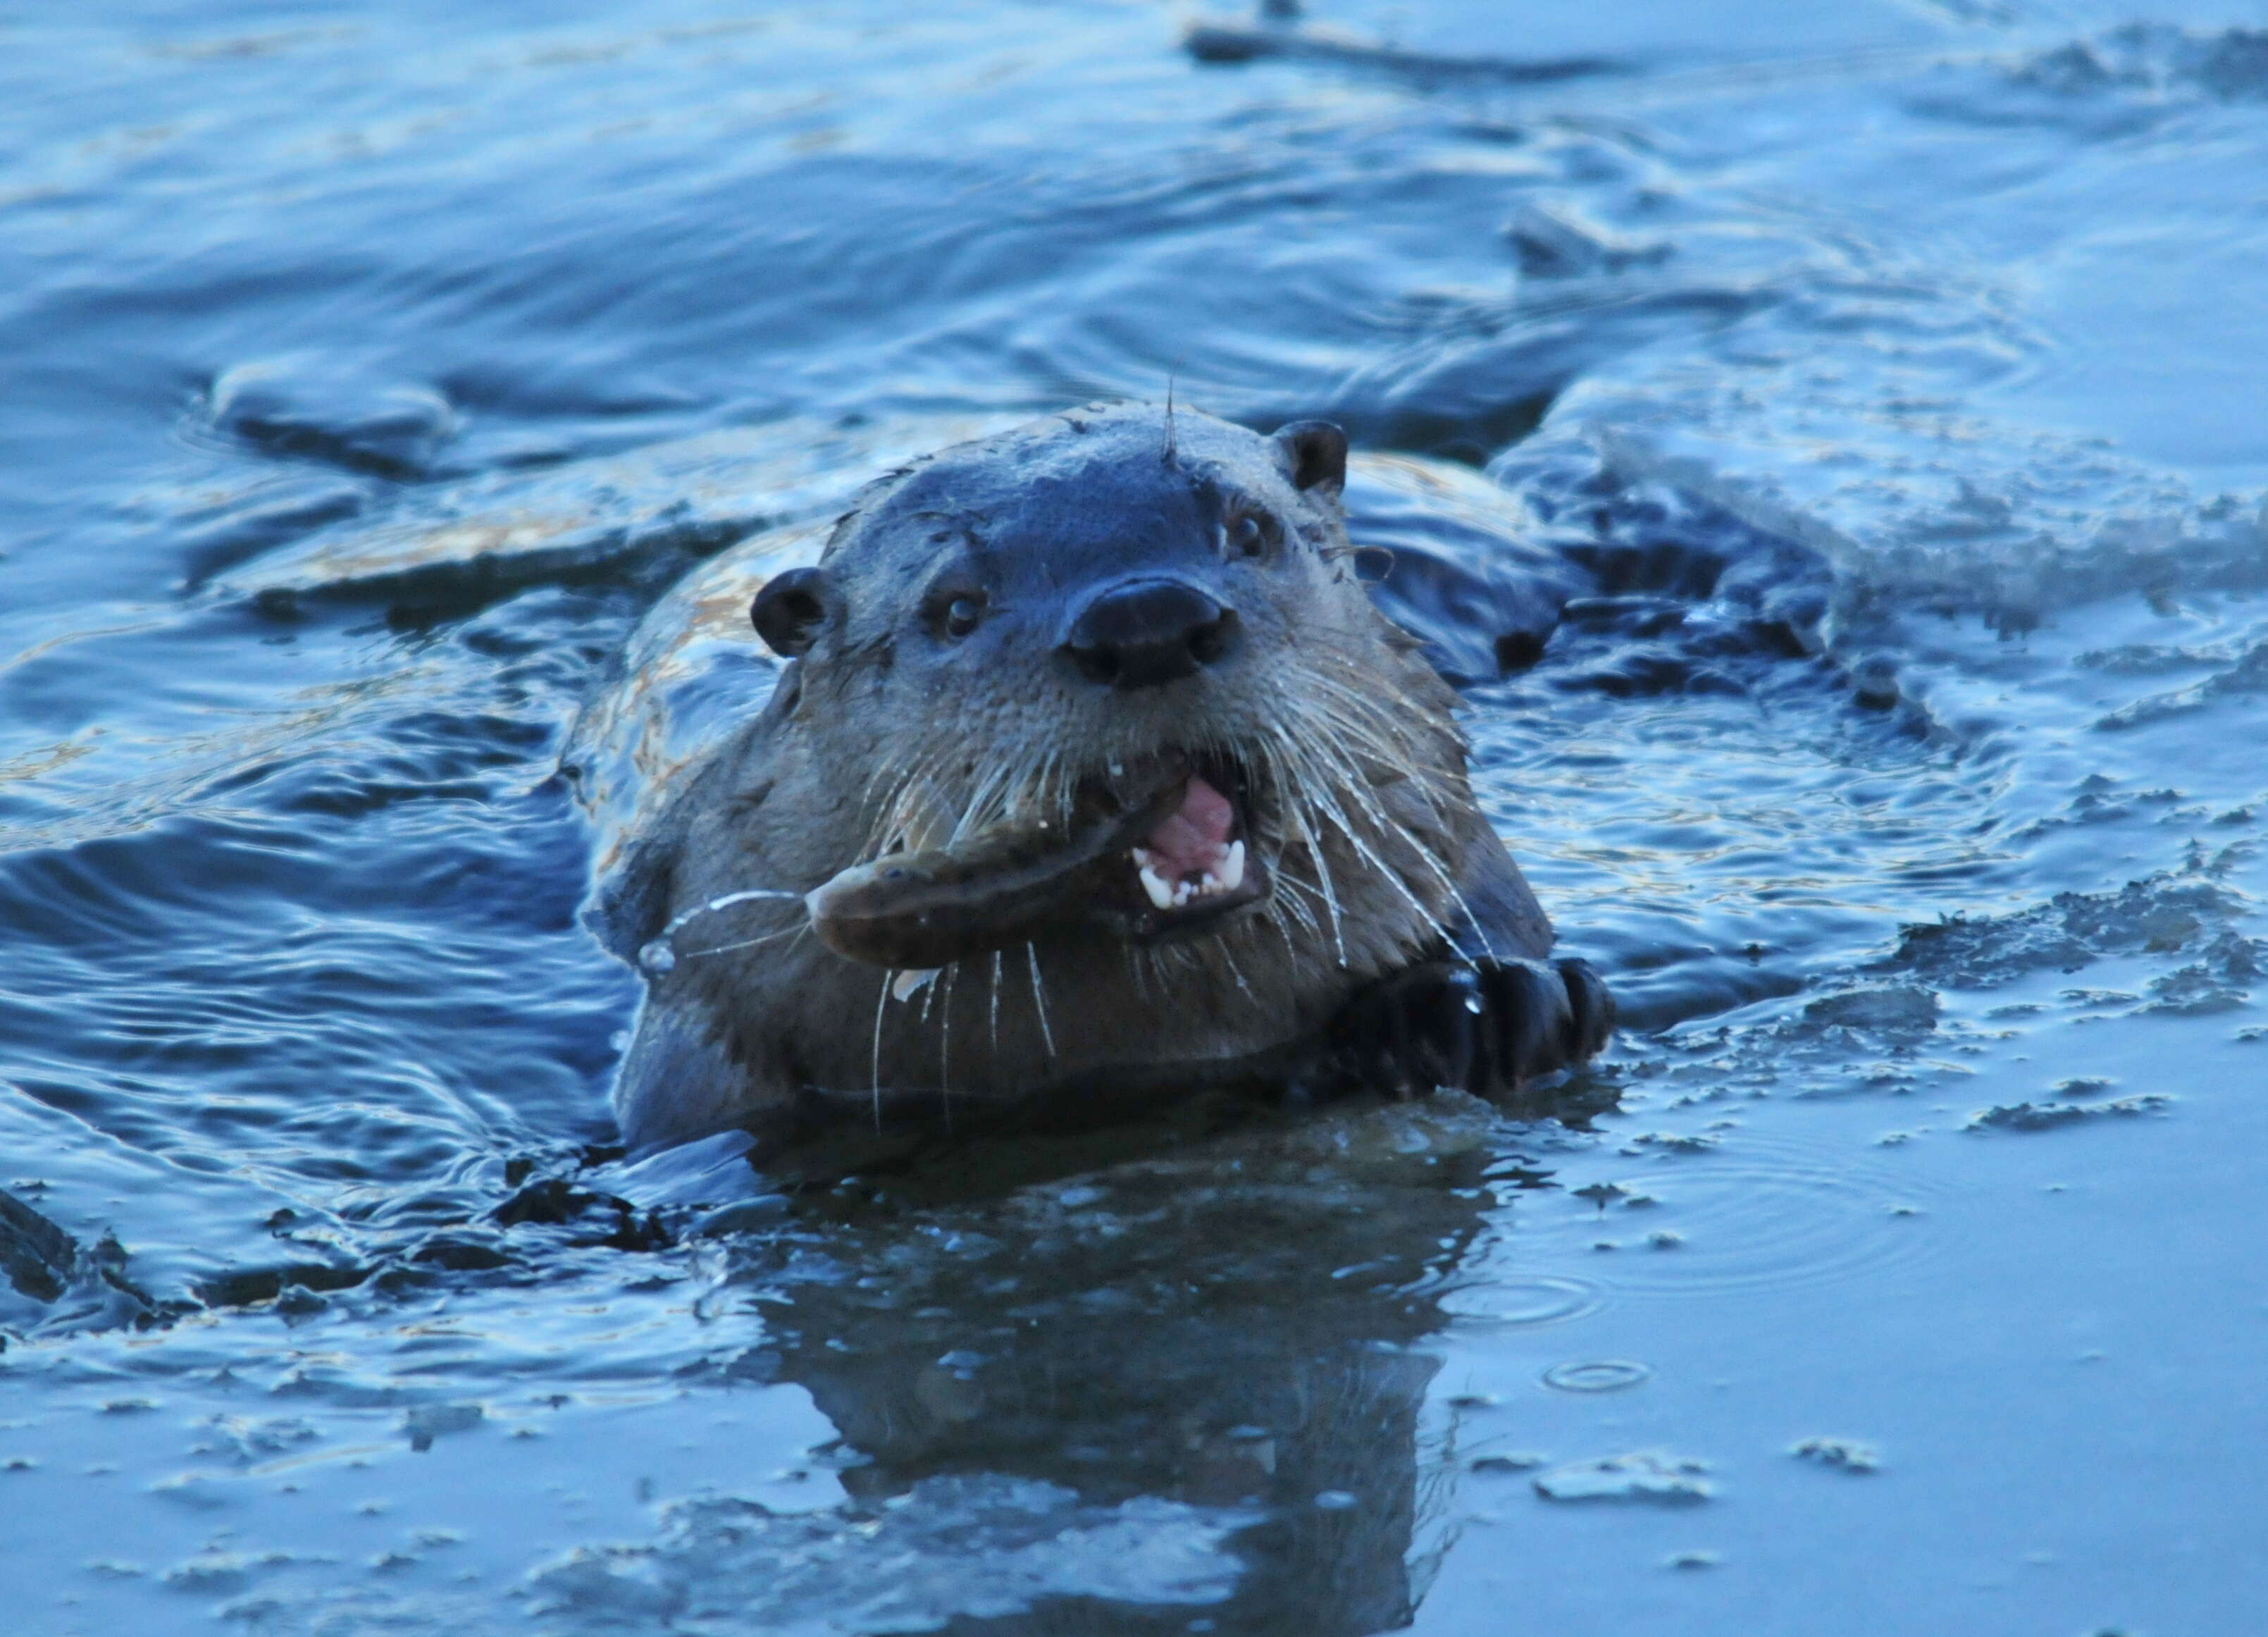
[
  {"x": 1482, "y": 1026},
  {"x": 1593, "y": 1004}
]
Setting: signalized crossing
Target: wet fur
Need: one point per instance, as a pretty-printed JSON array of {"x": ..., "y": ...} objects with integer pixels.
[{"x": 884, "y": 735}]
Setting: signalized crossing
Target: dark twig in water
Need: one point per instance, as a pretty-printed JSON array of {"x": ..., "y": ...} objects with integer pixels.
[{"x": 1231, "y": 42}]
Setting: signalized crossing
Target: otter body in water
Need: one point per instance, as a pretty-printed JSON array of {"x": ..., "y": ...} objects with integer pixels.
[{"x": 1095, "y": 771}]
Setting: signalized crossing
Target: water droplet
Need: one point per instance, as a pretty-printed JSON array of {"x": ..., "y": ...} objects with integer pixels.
[{"x": 658, "y": 956}]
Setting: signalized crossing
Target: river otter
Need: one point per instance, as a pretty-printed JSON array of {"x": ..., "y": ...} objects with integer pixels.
[{"x": 1095, "y": 770}]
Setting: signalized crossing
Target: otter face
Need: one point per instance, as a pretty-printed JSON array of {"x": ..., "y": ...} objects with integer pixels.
[{"x": 1123, "y": 677}]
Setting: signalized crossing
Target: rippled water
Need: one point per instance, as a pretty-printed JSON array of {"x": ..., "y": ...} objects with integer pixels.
[{"x": 1887, "y": 376}]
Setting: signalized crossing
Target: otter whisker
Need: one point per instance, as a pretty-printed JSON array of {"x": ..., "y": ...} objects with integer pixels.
[
  {"x": 1280, "y": 924},
  {"x": 1040, "y": 999},
  {"x": 753, "y": 894},
  {"x": 914, "y": 815},
  {"x": 1324, "y": 882},
  {"x": 659, "y": 954},
  {"x": 996, "y": 1003},
  {"x": 1427, "y": 857},
  {"x": 1236, "y": 971},
  {"x": 1359, "y": 757},
  {"x": 973, "y": 810},
  {"x": 1289, "y": 909},
  {"x": 891, "y": 810},
  {"x": 945, "y": 1045},
  {"x": 1354, "y": 740},
  {"x": 1464, "y": 908},
  {"x": 1177, "y": 956},
  {"x": 1366, "y": 798},
  {"x": 1354, "y": 719},
  {"x": 1057, "y": 785},
  {"x": 1330, "y": 808},
  {"x": 748, "y": 943},
  {"x": 1345, "y": 735},
  {"x": 1295, "y": 807},
  {"x": 880, "y": 1001},
  {"x": 899, "y": 774}
]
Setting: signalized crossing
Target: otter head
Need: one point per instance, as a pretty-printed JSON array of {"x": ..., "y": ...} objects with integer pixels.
[{"x": 1113, "y": 675}]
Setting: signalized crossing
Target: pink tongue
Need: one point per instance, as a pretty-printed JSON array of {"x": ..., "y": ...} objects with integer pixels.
[{"x": 1195, "y": 837}]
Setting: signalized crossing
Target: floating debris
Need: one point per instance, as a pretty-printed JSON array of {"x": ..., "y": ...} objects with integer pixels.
[
  {"x": 2040, "y": 1116},
  {"x": 1648, "y": 1476},
  {"x": 1845, "y": 1455}
]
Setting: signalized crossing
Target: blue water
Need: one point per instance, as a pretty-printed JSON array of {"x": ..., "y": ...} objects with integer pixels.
[{"x": 372, "y": 373}]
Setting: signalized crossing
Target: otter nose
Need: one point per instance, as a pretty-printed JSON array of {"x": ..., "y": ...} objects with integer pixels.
[{"x": 1148, "y": 632}]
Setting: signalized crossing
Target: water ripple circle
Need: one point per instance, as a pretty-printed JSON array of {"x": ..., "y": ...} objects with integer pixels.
[
  {"x": 1523, "y": 1299},
  {"x": 1767, "y": 1213},
  {"x": 1595, "y": 1375}
]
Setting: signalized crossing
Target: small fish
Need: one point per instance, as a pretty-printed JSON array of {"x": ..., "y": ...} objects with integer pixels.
[{"x": 993, "y": 891}]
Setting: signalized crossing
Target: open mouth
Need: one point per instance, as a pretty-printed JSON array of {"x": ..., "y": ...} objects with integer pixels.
[
  {"x": 1156, "y": 850},
  {"x": 1194, "y": 865}
]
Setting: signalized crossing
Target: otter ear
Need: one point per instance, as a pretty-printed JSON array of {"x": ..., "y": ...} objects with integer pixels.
[
  {"x": 792, "y": 608},
  {"x": 1313, "y": 453}
]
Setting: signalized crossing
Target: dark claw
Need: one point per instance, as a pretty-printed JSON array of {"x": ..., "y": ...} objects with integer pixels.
[
  {"x": 1594, "y": 1008},
  {"x": 1487, "y": 1027},
  {"x": 1529, "y": 1018}
]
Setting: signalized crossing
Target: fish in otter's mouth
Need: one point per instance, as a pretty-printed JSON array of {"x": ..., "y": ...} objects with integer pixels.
[{"x": 1160, "y": 849}]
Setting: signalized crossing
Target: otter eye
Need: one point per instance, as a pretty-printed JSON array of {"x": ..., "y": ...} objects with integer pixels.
[
  {"x": 1248, "y": 534},
  {"x": 962, "y": 615}
]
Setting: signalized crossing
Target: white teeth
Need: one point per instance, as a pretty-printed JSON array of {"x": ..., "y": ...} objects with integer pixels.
[{"x": 1226, "y": 876}]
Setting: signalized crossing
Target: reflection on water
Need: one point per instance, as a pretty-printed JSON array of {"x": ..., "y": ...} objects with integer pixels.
[
  {"x": 1820, "y": 443},
  {"x": 1239, "y": 1332}
]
